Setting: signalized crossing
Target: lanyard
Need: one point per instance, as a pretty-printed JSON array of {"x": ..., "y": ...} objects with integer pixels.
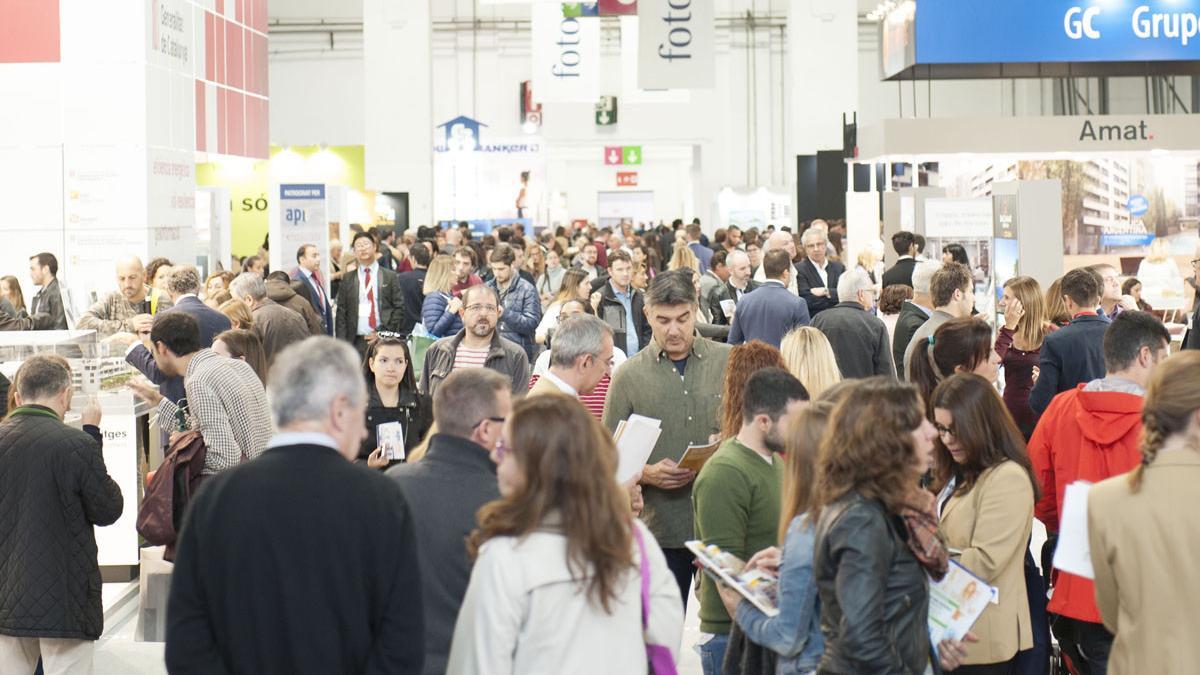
[{"x": 26, "y": 410}]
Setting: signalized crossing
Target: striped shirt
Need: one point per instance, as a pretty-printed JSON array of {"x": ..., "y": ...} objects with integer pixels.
[
  {"x": 594, "y": 402},
  {"x": 469, "y": 358}
]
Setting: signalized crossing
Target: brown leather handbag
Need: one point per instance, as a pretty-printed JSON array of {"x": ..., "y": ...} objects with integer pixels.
[{"x": 170, "y": 490}]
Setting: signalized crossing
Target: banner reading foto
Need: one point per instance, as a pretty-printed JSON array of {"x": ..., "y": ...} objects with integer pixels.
[
  {"x": 566, "y": 56},
  {"x": 301, "y": 221},
  {"x": 675, "y": 44}
]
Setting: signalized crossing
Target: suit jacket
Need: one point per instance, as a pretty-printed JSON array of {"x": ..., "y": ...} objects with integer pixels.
[
  {"x": 726, "y": 291},
  {"x": 859, "y": 340},
  {"x": 991, "y": 526},
  {"x": 309, "y": 291},
  {"x": 900, "y": 273},
  {"x": 391, "y": 304},
  {"x": 1070, "y": 355},
  {"x": 47, "y": 309},
  {"x": 909, "y": 320},
  {"x": 412, "y": 286},
  {"x": 359, "y": 581},
  {"x": 278, "y": 327},
  {"x": 768, "y": 314},
  {"x": 1143, "y": 549},
  {"x": 807, "y": 278},
  {"x": 212, "y": 323}
]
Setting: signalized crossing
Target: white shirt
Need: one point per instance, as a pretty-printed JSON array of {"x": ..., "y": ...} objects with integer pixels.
[
  {"x": 823, "y": 272},
  {"x": 561, "y": 384},
  {"x": 302, "y": 438},
  {"x": 364, "y": 307}
]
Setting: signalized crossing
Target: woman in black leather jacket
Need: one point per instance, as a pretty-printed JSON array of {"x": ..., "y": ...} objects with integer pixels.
[
  {"x": 876, "y": 535},
  {"x": 393, "y": 397}
]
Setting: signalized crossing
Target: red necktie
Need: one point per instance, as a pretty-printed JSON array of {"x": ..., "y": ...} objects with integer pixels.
[
  {"x": 371, "y": 320},
  {"x": 321, "y": 289}
]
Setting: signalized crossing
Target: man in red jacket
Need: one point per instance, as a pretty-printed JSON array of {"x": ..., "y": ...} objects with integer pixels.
[{"x": 1090, "y": 433}]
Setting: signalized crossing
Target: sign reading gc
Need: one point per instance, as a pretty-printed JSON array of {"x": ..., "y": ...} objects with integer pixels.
[{"x": 1077, "y": 26}]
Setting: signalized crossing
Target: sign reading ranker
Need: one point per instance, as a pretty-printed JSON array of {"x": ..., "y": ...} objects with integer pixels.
[{"x": 675, "y": 44}]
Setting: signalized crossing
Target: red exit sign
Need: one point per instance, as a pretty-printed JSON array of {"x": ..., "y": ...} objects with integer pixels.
[{"x": 627, "y": 179}]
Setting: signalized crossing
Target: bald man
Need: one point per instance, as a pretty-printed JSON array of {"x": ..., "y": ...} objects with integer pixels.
[
  {"x": 130, "y": 309},
  {"x": 784, "y": 240}
]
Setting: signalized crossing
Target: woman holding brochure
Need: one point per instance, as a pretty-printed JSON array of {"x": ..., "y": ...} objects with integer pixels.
[
  {"x": 986, "y": 492},
  {"x": 393, "y": 400},
  {"x": 564, "y": 579},
  {"x": 876, "y": 538},
  {"x": 1144, "y": 529}
]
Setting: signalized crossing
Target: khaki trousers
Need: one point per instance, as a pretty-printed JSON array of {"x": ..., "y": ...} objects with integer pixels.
[{"x": 19, "y": 656}]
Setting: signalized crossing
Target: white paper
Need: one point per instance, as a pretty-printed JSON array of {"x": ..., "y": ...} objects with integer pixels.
[
  {"x": 728, "y": 307},
  {"x": 1073, "y": 554},
  {"x": 391, "y": 440},
  {"x": 635, "y": 439}
]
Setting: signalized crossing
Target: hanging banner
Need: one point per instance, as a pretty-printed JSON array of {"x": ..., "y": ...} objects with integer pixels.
[
  {"x": 301, "y": 221},
  {"x": 566, "y": 56},
  {"x": 617, "y": 7},
  {"x": 675, "y": 44}
]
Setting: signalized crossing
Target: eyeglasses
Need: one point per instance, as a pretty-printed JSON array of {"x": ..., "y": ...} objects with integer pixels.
[
  {"x": 482, "y": 308},
  {"x": 497, "y": 420},
  {"x": 945, "y": 431}
]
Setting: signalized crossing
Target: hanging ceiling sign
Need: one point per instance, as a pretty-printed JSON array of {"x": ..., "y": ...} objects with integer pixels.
[
  {"x": 566, "y": 56},
  {"x": 675, "y": 44}
]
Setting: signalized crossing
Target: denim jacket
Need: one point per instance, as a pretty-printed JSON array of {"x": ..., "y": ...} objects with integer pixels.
[{"x": 795, "y": 634}]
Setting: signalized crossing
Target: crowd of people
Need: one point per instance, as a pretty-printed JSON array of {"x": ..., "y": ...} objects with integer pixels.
[{"x": 871, "y": 429}]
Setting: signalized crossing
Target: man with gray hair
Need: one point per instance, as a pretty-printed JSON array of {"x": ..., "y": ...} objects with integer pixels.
[
  {"x": 913, "y": 312},
  {"x": 300, "y": 562},
  {"x": 54, "y": 489},
  {"x": 445, "y": 490},
  {"x": 817, "y": 276},
  {"x": 276, "y": 325},
  {"x": 580, "y": 356},
  {"x": 858, "y": 337}
]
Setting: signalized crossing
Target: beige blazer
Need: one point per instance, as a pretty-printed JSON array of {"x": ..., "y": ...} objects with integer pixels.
[
  {"x": 545, "y": 386},
  {"x": 991, "y": 526},
  {"x": 1146, "y": 553}
]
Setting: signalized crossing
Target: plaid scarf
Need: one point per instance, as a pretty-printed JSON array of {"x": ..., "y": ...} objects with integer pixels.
[{"x": 924, "y": 540}]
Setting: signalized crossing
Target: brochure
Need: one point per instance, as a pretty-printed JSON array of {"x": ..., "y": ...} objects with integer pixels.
[
  {"x": 391, "y": 441},
  {"x": 956, "y": 602},
  {"x": 728, "y": 307},
  {"x": 760, "y": 588},
  {"x": 1073, "y": 554},
  {"x": 696, "y": 455},
  {"x": 635, "y": 439}
]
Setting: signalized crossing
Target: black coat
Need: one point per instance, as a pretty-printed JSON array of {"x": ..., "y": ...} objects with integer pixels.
[
  {"x": 391, "y": 304},
  {"x": 444, "y": 490},
  {"x": 859, "y": 340},
  {"x": 297, "y": 562},
  {"x": 807, "y": 279},
  {"x": 613, "y": 313},
  {"x": 900, "y": 273},
  {"x": 874, "y": 595},
  {"x": 910, "y": 319},
  {"x": 726, "y": 292},
  {"x": 1070, "y": 356},
  {"x": 412, "y": 286},
  {"x": 54, "y": 488},
  {"x": 414, "y": 412}
]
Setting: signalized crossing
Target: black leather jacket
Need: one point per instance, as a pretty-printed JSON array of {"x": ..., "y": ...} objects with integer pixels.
[{"x": 874, "y": 594}]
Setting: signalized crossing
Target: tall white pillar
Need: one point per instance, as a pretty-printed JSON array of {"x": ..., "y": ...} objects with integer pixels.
[
  {"x": 822, "y": 54},
  {"x": 397, "y": 37}
]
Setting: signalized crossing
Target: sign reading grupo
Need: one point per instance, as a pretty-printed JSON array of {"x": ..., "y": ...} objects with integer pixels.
[
  {"x": 566, "y": 56},
  {"x": 675, "y": 44}
]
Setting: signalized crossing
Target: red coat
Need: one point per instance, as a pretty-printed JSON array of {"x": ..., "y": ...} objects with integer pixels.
[{"x": 1089, "y": 436}]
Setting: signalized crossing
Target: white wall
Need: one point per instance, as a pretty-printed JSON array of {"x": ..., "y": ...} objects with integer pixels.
[{"x": 318, "y": 100}]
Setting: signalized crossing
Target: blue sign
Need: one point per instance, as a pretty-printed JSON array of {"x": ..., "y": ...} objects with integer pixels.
[
  {"x": 462, "y": 133},
  {"x": 1045, "y": 31},
  {"x": 1137, "y": 205},
  {"x": 1126, "y": 240}
]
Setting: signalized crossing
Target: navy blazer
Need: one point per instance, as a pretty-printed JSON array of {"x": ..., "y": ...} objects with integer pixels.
[
  {"x": 308, "y": 290},
  {"x": 212, "y": 323},
  {"x": 767, "y": 314},
  {"x": 1071, "y": 355},
  {"x": 807, "y": 278}
]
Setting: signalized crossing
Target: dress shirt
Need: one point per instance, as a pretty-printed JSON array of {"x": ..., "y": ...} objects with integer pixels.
[
  {"x": 302, "y": 438},
  {"x": 320, "y": 289},
  {"x": 561, "y": 384},
  {"x": 364, "y": 314},
  {"x": 823, "y": 272}
]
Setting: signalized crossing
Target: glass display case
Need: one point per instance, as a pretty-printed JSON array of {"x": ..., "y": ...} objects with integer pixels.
[{"x": 96, "y": 366}]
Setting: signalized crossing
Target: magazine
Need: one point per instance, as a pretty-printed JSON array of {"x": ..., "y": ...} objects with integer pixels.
[
  {"x": 391, "y": 441},
  {"x": 757, "y": 586},
  {"x": 696, "y": 455},
  {"x": 956, "y": 602}
]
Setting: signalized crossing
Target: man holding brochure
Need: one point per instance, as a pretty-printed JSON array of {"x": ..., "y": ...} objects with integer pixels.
[
  {"x": 737, "y": 497},
  {"x": 677, "y": 380}
]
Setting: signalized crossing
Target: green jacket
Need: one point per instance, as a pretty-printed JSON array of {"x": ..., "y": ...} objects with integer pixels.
[
  {"x": 648, "y": 384},
  {"x": 737, "y": 503}
]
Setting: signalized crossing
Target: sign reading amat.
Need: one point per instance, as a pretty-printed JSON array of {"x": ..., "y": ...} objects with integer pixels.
[{"x": 1049, "y": 31}]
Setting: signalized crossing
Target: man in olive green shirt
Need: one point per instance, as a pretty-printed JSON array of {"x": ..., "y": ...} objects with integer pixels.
[
  {"x": 676, "y": 379},
  {"x": 737, "y": 495}
]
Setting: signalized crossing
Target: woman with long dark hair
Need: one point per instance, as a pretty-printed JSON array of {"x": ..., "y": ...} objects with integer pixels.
[
  {"x": 564, "y": 577},
  {"x": 986, "y": 492},
  {"x": 876, "y": 534},
  {"x": 957, "y": 346},
  {"x": 244, "y": 345},
  {"x": 392, "y": 397}
]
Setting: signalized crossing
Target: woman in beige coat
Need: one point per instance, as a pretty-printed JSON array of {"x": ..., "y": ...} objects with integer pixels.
[
  {"x": 986, "y": 492},
  {"x": 1144, "y": 531}
]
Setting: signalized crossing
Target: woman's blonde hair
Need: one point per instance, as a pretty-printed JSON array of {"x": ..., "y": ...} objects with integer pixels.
[
  {"x": 683, "y": 258},
  {"x": 809, "y": 357},
  {"x": 238, "y": 313},
  {"x": 1172, "y": 400},
  {"x": 1032, "y": 326},
  {"x": 1055, "y": 309},
  {"x": 440, "y": 276},
  {"x": 803, "y": 445}
]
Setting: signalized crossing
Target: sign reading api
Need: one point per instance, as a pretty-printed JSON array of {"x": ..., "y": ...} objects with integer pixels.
[{"x": 623, "y": 154}]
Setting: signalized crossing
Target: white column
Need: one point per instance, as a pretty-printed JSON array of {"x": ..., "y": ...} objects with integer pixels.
[
  {"x": 397, "y": 36},
  {"x": 823, "y": 61}
]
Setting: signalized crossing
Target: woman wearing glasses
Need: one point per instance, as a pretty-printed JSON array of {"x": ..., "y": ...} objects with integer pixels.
[
  {"x": 393, "y": 400},
  {"x": 986, "y": 492},
  {"x": 563, "y": 576}
]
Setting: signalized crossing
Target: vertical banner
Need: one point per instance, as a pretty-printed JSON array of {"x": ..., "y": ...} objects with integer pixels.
[
  {"x": 301, "y": 221},
  {"x": 617, "y": 7},
  {"x": 566, "y": 56},
  {"x": 675, "y": 44}
]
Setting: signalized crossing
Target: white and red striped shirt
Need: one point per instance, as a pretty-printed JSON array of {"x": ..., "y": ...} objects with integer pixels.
[
  {"x": 594, "y": 402},
  {"x": 469, "y": 358}
]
